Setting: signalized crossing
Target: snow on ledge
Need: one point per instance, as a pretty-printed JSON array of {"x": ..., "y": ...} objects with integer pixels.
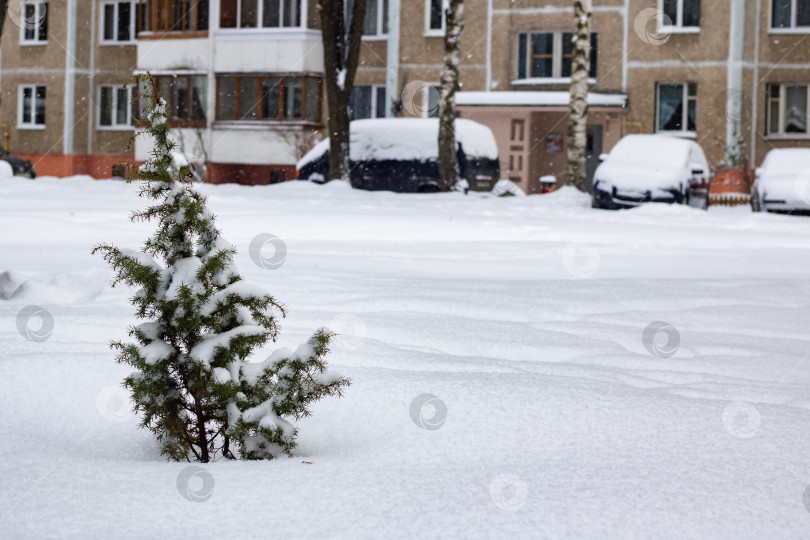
[{"x": 549, "y": 99}]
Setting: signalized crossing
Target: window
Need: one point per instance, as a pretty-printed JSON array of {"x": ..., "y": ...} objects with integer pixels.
[
  {"x": 174, "y": 16},
  {"x": 681, "y": 13},
  {"x": 547, "y": 55},
  {"x": 268, "y": 97},
  {"x": 787, "y": 109},
  {"x": 115, "y": 107},
  {"x": 367, "y": 102},
  {"x": 677, "y": 107},
  {"x": 34, "y": 24},
  {"x": 376, "y": 21},
  {"x": 32, "y": 106},
  {"x": 118, "y": 22},
  {"x": 260, "y": 14},
  {"x": 185, "y": 97},
  {"x": 790, "y": 14},
  {"x": 434, "y": 16}
]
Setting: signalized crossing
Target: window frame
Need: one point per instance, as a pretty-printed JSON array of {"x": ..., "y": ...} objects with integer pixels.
[
  {"x": 430, "y": 31},
  {"x": 557, "y": 56},
  {"x": 131, "y": 109},
  {"x": 281, "y": 118},
  {"x": 38, "y": 5},
  {"x": 302, "y": 12},
  {"x": 793, "y": 28},
  {"x": 133, "y": 22},
  {"x": 684, "y": 131},
  {"x": 677, "y": 26},
  {"x": 375, "y": 104},
  {"x": 147, "y": 26},
  {"x": 382, "y": 8},
  {"x": 187, "y": 122},
  {"x": 782, "y": 101},
  {"x": 32, "y": 125},
  {"x": 426, "y": 100}
]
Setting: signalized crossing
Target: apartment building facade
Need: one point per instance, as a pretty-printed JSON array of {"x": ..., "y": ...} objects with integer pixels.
[
  {"x": 244, "y": 78},
  {"x": 60, "y": 91}
]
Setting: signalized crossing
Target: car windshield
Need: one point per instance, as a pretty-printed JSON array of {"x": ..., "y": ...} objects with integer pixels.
[{"x": 650, "y": 149}]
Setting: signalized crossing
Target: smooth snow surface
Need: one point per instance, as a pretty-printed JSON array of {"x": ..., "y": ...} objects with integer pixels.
[{"x": 501, "y": 384}]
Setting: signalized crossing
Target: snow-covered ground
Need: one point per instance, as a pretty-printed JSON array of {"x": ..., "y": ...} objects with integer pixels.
[{"x": 503, "y": 385}]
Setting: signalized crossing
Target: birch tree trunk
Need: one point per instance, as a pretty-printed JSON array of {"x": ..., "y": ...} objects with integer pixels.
[
  {"x": 341, "y": 54},
  {"x": 448, "y": 159},
  {"x": 576, "y": 145}
]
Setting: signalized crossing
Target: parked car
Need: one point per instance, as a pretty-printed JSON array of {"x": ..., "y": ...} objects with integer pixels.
[
  {"x": 401, "y": 154},
  {"x": 782, "y": 183},
  {"x": 21, "y": 167},
  {"x": 652, "y": 168}
]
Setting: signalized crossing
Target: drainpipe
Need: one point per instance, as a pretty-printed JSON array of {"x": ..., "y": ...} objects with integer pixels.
[
  {"x": 625, "y": 33},
  {"x": 213, "y": 26},
  {"x": 70, "y": 79},
  {"x": 392, "y": 58},
  {"x": 91, "y": 101},
  {"x": 755, "y": 92},
  {"x": 734, "y": 84},
  {"x": 489, "y": 46}
]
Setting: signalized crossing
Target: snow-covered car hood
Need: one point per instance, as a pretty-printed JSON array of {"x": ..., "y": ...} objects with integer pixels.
[{"x": 639, "y": 176}]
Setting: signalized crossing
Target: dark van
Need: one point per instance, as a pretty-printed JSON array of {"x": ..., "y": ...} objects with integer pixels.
[{"x": 401, "y": 154}]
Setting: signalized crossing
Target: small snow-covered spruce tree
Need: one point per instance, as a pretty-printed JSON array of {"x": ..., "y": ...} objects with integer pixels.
[{"x": 193, "y": 381}]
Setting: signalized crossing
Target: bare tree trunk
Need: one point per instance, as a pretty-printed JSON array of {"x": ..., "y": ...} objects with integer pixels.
[
  {"x": 448, "y": 159},
  {"x": 341, "y": 54},
  {"x": 576, "y": 145},
  {"x": 3, "y": 13}
]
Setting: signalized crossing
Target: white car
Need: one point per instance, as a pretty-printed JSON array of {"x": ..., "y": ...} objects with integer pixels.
[
  {"x": 782, "y": 183},
  {"x": 652, "y": 168}
]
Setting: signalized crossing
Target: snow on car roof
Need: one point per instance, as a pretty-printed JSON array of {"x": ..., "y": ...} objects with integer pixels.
[
  {"x": 314, "y": 153},
  {"x": 409, "y": 138},
  {"x": 787, "y": 161},
  {"x": 661, "y": 149},
  {"x": 549, "y": 99}
]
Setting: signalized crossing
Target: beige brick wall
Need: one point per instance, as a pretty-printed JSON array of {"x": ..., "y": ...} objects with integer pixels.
[
  {"x": 45, "y": 64},
  {"x": 700, "y": 57}
]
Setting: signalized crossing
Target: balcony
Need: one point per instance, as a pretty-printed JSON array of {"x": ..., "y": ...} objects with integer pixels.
[{"x": 173, "y": 19}]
